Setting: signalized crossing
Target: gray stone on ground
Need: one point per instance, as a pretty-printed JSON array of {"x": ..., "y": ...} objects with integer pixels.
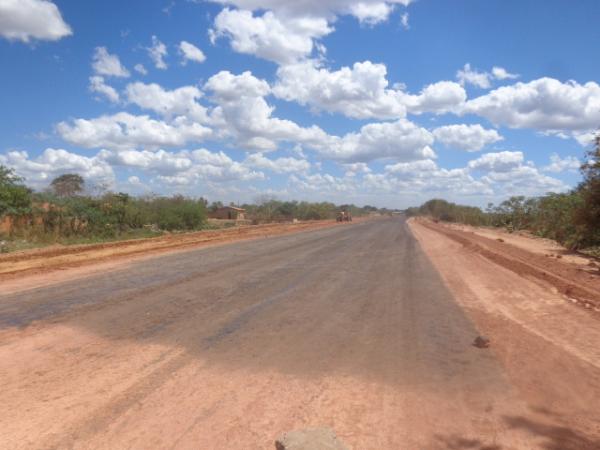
[
  {"x": 481, "y": 342},
  {"x": 310, "y": 439}
]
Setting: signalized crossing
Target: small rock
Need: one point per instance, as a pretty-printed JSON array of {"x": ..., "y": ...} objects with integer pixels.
[
  {"x": 500, "y": 240},
  {"x": 558, "y": 256},
  {"x": 481, "y": 342},
  {"x": 310, "y": 439}
]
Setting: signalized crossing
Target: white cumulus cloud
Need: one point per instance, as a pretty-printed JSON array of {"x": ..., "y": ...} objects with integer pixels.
[
  {"x": 401, "y": 140},
  {"x": 500, "y": 73},
  {"x": 158, "y": 52},
  {"x": 243, "y": 114},
  {"x": 189, "y": 52},
  {"x": 497, "y": 162},
  {"x": 282, "y": 40},
  {"x": 369, "y": 11},
  {"x": 545, "y": 104},
  {"x": 178, "y": 102},
  {"x": 468, "y": 75},
  {"x": 108, "y": 64},
  {"x": 278, "y": 165},
  {"x": 24, "y": 20},
  {"x": 139, "y": 68},
  {"x": 41, "y": 170},
  {"x": 98, "y": 85},
  {"x": 127, "y": 131},
  {"x": 470, "y": 138},
  {"x": 361, "y": 91},
  {"x": 558, "y": 164}
]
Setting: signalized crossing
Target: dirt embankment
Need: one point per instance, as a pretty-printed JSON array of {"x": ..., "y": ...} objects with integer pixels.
[
  {"x": 61, "y": 257},
  {"x": 574, "y": 276},
  {"x": 547, "y": 346}
]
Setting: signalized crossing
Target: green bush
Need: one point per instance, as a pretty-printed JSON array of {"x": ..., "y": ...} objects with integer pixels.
[{"x": 15, "y": 198}]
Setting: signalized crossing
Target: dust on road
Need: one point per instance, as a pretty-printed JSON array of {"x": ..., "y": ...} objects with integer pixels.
[{"x": 347, "y": 327}]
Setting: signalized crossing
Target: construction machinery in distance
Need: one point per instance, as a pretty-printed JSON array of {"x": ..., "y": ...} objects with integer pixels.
[{"x": 344, "y": 216}]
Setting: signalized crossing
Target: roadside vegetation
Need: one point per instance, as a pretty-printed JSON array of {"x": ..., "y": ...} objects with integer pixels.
[
  {"x": 571, "y": 218},
  {"x": 67, "y": 213},
  {"x": 273, "y": 210}
]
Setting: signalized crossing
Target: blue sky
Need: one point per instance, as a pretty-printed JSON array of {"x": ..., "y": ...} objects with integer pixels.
[{"x": 367, "y": 101}]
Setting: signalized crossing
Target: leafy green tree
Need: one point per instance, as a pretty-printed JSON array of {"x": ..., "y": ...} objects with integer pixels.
[
  {"x": 15, "y": 198},
  {"x": 589, "y": 215},
  {"x": 67, "y": 185}
]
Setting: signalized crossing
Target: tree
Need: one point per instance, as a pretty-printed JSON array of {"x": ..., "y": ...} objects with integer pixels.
[
  {"x": 589, "y": 214},
  {"x": 67, "y": 185},
  {"x": 15, "y": 198}
]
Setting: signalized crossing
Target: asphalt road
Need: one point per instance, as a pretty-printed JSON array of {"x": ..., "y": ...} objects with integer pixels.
[{"x": 347, "y": 327}]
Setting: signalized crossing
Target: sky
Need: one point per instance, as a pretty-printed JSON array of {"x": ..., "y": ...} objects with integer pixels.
[{"x": 380, "y": 102}]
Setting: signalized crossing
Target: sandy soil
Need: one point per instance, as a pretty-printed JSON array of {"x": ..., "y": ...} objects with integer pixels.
[
  {"x": 548, "y": 346},
  {"x": 531, "y": 243},
  {"x": 578, "y": 283}
]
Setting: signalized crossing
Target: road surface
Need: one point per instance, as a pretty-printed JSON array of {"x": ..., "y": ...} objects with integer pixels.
[{"x": 227, "y": 347}]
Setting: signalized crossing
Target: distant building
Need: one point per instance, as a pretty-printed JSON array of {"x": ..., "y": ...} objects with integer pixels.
[{"x": 228, "y": 213}]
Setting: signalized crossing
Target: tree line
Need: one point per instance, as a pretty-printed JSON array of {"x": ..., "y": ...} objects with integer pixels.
[
  {"x": 65, "y": 211},
  {"x": 571, "y": 218}
]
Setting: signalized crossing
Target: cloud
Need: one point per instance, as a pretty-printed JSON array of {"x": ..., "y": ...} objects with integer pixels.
[
  {"x": 544, "y": 104},
  {"x": 358, "y": 92},
  {"x": 267, "y": 36},
  {"x": 361, "y": 91},
  {"x": 508, "y": 174},
  {"x": 243, "y": 114},
  {"x": 523, "y": 180},
  {"x": 470, "y": 138},
  {"x": 106, "y": 64},
  {"x": 139, "y": 68},
  {"x": 401, "y": 141},
  {"x": 404, "y": 21},
  {"x": 97, "y": 85},
  {"x": 278, "y": 165},
  {"x": 189, "y": 52},
  {"x": 227, "y": 87},
  {"x": 424, "y": 178},
  {"x": 368, "y": 11},
  {"x": 158, "y": 52},
  {"x": 437, "y": 98},
  {"x": 183, "y": 167},
  {"x": 178, "y": 102},
  {"x": 126, "y": 131},
  {"x": 371, "y": 13},
  {"x": 497, "y": 162},
  {"x": 353, "y": 169},
  {"x": 501, "y": 174},
  {"x": 24, "y": 20},
  {"x": 558, "y": 164},
  {"x": 467, "y": 75},
  {"x": 324, "y": 184},
  {"x": 158, "y": 162},
  {"x": 41, "y": 170},
  {"x": 500, "y": 73},
  {"x": 483, "y": 80}
]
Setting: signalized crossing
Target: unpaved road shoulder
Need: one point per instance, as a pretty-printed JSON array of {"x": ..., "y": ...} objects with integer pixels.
[
  {"x": 581, "y": 285},
  {"x": 548, "y": 346}
]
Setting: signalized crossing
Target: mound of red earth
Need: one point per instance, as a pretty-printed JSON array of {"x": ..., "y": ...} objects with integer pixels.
[{"x": 580, "y": 286}]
